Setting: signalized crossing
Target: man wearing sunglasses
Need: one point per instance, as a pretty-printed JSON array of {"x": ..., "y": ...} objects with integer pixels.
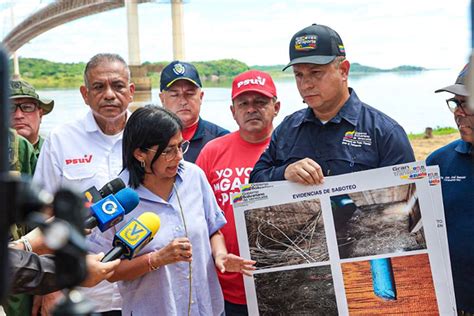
[
  {"x": 27, "y": 110},
  {"x": 456, "y": 163}
]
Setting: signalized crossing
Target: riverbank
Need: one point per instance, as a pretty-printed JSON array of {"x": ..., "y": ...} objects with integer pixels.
[
  {"x": 425, "y": 146},
  {"x": 43, "y": 73}
]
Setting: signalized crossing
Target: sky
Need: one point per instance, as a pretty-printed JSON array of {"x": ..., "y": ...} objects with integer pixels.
[{"x": 378, "y": 33}]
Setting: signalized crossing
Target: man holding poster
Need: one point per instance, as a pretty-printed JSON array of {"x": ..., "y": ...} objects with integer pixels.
[{"x": 337, "y": 133}]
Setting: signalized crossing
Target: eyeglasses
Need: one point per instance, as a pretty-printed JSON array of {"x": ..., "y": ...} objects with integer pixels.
[
  {"x": 170, "y": 152},
  {"x": 26, "y": 107},
  {"x": 454, "y": 103}
]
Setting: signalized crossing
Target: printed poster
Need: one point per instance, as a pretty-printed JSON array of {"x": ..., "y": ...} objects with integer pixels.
[{"x": 372, "y": 242}]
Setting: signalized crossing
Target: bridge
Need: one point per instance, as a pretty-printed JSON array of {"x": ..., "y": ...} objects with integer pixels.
[{"x": 64, "y": 11}]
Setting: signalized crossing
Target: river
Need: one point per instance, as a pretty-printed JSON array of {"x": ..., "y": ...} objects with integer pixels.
[{"x": 409, "y": 98}]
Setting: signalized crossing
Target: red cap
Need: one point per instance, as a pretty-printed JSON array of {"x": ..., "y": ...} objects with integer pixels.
[{"x": 253, "y": 80}]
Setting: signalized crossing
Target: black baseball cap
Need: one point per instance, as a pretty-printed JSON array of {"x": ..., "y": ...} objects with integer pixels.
[
  {"x": 315, "y": 44},
  {"x": 459, "y": 87},
  {"x": 178, "y": 70}
]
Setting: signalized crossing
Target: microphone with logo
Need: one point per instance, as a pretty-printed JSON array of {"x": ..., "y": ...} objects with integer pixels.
[
  {"x": 111, "y": 209},
  {"x": 93, "y": 195},
  {"x": 134, "y": 236}
]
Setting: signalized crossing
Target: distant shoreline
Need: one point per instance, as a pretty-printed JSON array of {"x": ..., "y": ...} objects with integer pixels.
[{"x": 48, "y": 74}]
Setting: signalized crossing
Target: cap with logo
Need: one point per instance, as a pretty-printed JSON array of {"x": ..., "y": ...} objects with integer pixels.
[
  {"x": 459, "y": 87},
  {"x": 254, "y": 80},
  {"x": 22, "y": 89},
  {"x": 315, "y": 44},
  {"x": 178, "y": 70}
]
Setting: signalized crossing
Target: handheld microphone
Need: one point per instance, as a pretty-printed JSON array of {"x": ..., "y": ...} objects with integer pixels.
[
  {"x": 134, "y": 236},
  {"x": 111, "y": 209},
  {"x": 93, "y": 195}
]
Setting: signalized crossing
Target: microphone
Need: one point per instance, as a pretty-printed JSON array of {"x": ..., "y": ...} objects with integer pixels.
[
  {"x": 93, "y": 195},
  {"x": 111, "y": 209},
  {"x": 134, "y": 236}
]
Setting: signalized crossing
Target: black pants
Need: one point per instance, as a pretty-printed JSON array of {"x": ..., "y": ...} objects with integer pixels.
[
  {"x": 111, "y": 313},
  {"x": 232, "y": 309}
]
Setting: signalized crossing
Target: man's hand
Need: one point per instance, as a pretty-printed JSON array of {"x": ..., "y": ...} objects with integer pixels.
[
  {"x": 304, "y": 171},
  {"x": 98, "y": 271}
]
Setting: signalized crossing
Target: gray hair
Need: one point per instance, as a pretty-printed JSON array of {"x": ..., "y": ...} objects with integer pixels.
[{"x": 104, "y": 58}]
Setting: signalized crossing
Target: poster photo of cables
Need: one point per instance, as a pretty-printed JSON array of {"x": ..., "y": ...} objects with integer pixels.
[{"x": 371, "y": 242}]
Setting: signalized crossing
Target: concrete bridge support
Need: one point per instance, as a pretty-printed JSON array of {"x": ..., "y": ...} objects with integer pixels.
[
  {"x": 138, "y": 73},
  {"x": 178, "y": 32}
]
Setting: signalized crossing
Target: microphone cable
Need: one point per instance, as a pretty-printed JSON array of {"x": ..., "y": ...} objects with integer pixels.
[{"x": 186, "y": 235}]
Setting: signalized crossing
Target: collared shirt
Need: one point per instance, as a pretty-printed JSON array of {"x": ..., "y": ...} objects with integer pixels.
[
  {"x": 38, "y": 145},
  {"x": 456, "y": 165},
  {"x": 206, "y": 131},
  {"x": 79, "y": 155},
  {"x": 166, "y": 291},
  {"x": 358, "y": 138}
]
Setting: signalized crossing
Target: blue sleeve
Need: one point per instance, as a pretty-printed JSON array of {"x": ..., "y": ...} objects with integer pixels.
[
  {"x": 396, "y": 148},
  {"x": 222, "y": 131},
  {"x": 266, "y": 168},
  {"x": 214, "y": 216}
]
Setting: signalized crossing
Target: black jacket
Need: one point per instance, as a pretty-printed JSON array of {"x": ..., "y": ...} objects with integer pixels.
[{"x": 205, "y": 132}]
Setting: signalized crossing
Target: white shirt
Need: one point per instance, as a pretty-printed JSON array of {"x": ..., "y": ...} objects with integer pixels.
[{"x": 79, "y": 155}]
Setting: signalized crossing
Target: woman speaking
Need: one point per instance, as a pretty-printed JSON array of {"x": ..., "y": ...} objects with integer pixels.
[{"x": 175, "y": 273}]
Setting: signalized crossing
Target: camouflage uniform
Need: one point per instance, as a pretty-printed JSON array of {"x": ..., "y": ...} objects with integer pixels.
[
  {"x": 22, "y": 160},
  {"x": 23, "y": 156}
]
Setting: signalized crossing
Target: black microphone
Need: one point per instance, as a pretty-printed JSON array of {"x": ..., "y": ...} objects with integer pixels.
[{"x": 93, "y": 195}]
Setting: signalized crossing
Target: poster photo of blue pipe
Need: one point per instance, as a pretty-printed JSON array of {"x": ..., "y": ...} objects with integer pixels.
[
  {"x": 391, "y": 285},
  {"x": 379, "y": 221}
]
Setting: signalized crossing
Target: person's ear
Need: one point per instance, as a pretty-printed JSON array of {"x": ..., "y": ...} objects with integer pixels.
[
  {"x": 84, "y": 93},
  {"x": 139, "y": 154},
  {"x": 344, "y": 68}
]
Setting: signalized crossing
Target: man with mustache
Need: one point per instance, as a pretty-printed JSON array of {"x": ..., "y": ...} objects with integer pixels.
[
  {"x": 181, "y": 93},
  {"x": 228, "y": 160},
  {"x": 27, "y": 111},
  {"x": 456, "y": 164},
  {"x": 337, "y": 133},
  {"x": 88, "y": 151}
]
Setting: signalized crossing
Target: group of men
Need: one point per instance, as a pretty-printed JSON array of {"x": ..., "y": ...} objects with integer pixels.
[{"x": 306, "y": 147}]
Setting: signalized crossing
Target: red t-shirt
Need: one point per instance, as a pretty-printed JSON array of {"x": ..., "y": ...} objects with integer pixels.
[
  {"x": 227, "y": 162},
  {"x": 189, "y": 132}
]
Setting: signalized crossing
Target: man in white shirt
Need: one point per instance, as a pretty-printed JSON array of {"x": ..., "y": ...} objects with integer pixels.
[{"x": 88, "y": 152}]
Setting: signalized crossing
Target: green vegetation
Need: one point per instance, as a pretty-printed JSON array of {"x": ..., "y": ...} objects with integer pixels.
[
  {"x": 356, "y": 69},
  {"x": 47, "y": 74},
  {"x": 213, "y": 72},
  {"x": 43, "y": 73},
  {"x": 438, "y": 131}
]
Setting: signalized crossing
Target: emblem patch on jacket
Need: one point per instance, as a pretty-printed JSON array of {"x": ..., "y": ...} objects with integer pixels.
[{"x": 356, "y": 139}]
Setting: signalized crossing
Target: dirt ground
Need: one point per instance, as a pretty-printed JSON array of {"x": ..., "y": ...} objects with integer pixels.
[
  {"x": 377, "y": 229},
  {"x": 302, "y": 292},
  {"x": 424, "y": 147}
]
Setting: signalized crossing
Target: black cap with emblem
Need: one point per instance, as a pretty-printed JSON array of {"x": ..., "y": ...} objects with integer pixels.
[
  {"x": 178, "y": 70},
  {"x": 315, "y": 44}
]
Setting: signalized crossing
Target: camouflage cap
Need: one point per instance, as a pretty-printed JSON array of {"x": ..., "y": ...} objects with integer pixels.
[{"x": 22, "y": 89}]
